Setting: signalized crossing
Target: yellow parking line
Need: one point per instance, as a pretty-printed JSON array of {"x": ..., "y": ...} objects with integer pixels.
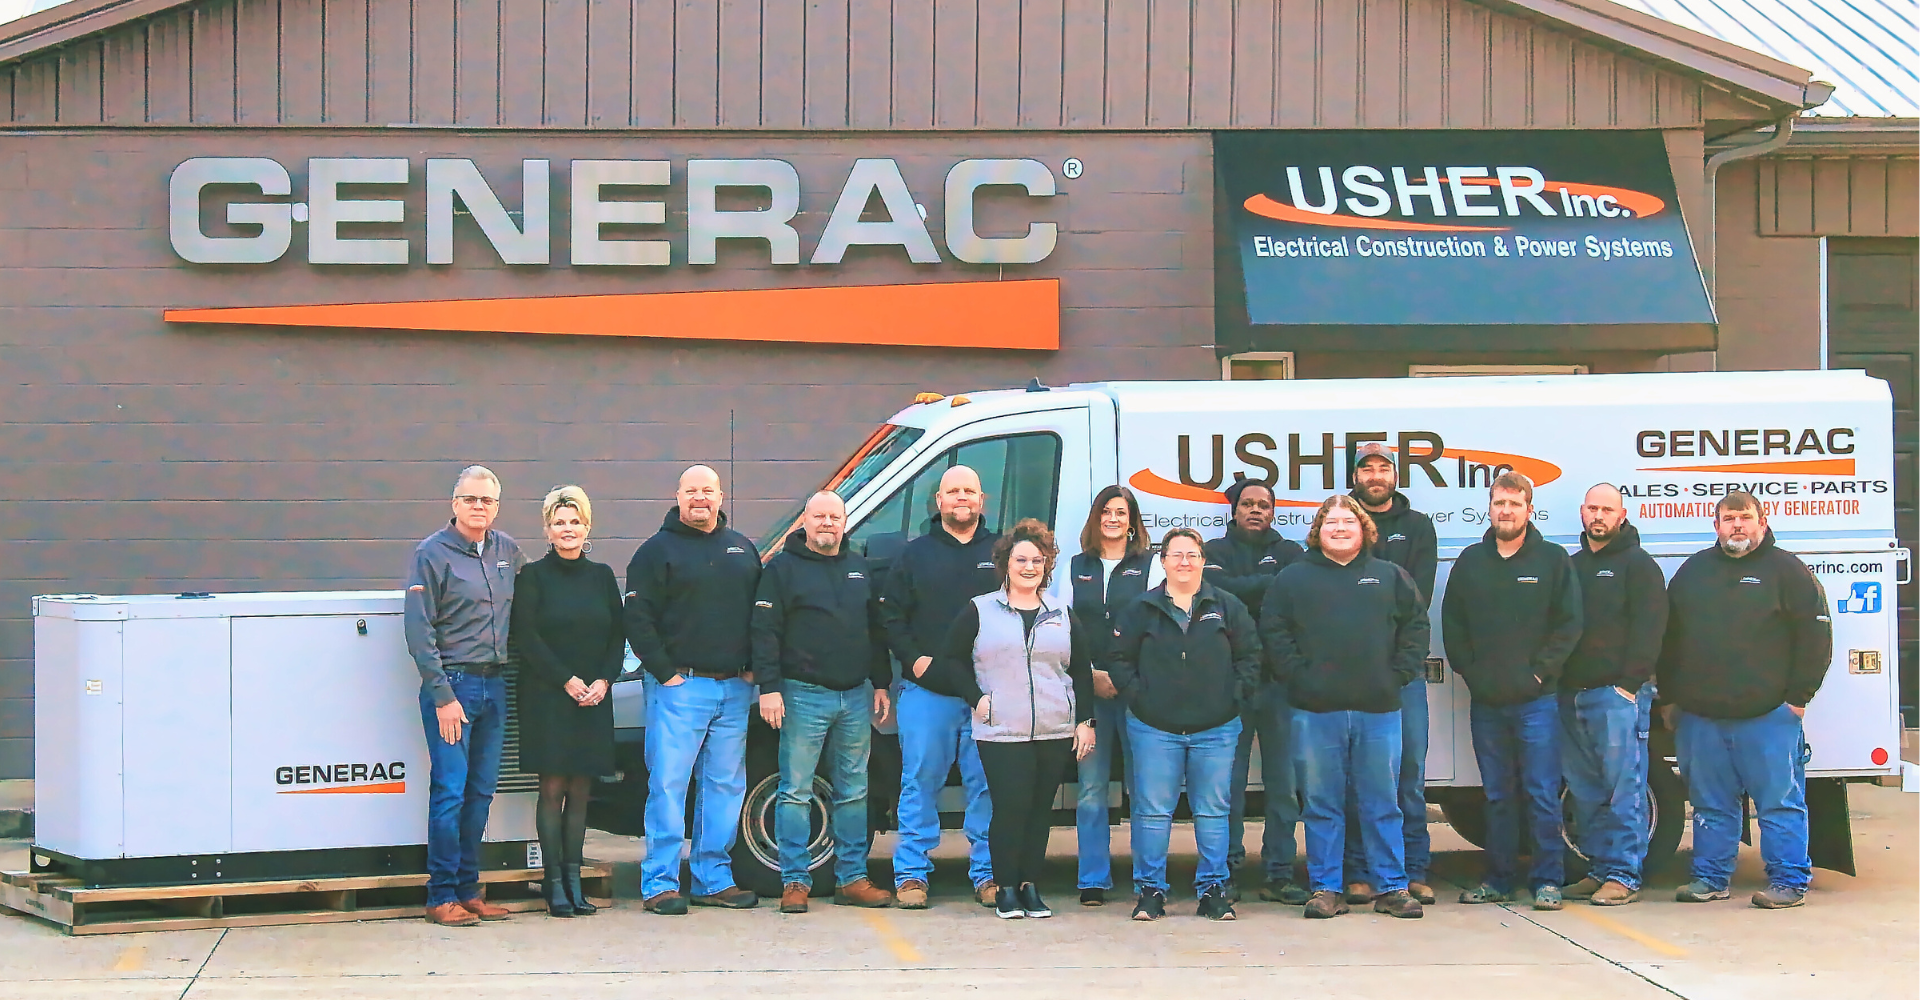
[
  {"x": 1641, "y": 938},
  {"x": 131, "y": 960},
  {"x": 890, "y": 936}
]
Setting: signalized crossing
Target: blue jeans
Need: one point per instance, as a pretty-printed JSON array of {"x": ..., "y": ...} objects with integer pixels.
[
  {"x": 1764, "y": 758},
  {"x": 936, "y": 730},
  {"x": 1161, "y": 763},
  {"x": 1601, "y": 757},
  {"x": 831, "y": 731},
  {"x": 1090, "y": 813},
  {"x": 1357, "y": 755},
  {"x": 1271, "y": 720},
  {"x": 1519, "y": 753},
  {"x": 1417, "y": 841},
  {"x": 461, "y": 785},
  {"x": 696, "y": 729}
]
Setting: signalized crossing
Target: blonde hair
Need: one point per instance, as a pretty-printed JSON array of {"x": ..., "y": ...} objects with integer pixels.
[{"x": 566, "y": 496}]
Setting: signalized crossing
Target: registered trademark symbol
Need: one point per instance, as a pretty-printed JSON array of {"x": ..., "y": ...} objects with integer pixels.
[{"x": 1073, "y": 168}]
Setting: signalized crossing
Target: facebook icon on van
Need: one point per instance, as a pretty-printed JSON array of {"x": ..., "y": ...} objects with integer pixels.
[{"x": 1864, "y": 599}]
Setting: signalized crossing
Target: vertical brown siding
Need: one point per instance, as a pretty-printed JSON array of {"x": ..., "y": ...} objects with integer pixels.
[
  {"x": 835, "y": 64},
  {"x": 1838, "y": 196}
]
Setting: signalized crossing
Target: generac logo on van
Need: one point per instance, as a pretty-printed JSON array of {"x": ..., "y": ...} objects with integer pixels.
[{"x": 1316, "y": 462}]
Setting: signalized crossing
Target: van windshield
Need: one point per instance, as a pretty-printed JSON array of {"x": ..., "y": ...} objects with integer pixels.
[{"x": 884, "y": 445}]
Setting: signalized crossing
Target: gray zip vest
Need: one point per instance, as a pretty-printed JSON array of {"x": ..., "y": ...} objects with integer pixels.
[{"x": 1026, "y": 677}]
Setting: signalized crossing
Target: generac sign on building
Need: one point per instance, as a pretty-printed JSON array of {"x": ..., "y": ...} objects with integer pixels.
[{"x": 606, "y": 197}]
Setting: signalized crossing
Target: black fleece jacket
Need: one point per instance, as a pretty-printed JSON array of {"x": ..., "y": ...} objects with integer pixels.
[
  {"x": 1509, "y": 624},
  {"x": 1344, "y": 638},
  {"x": 690, "y": 599},
  {"x": 1744, "y": 635},
  {"x": 1407, "y": 541},
  {"x": 1623, "y": 598},
  {"x": 816, "y": 619},
  {"x": 1185, "y": 680},
  {"x": 1243, "y": 564},
  {"x": 930, "y": 581},
  {"x": 1099, "y": 606}
]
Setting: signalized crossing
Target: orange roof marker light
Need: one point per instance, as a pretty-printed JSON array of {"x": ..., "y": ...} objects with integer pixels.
[
  {"x": 962, "y": 400},
  {"x": 926, "y": 397}
]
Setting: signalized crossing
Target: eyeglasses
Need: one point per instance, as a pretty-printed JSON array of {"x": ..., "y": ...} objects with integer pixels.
[
  {"x": 1184, "y": 557},
  {"x": 473, "y": 501}
]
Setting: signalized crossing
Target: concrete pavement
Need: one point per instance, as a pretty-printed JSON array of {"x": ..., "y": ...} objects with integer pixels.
[{"x": 1856, "y": 938}]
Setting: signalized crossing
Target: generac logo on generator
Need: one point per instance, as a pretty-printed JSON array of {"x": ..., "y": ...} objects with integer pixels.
[{"x": 388, "y": 778}]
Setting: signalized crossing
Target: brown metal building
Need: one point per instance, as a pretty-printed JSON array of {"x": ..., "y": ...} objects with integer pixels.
[{"x": 311, "y": 450}]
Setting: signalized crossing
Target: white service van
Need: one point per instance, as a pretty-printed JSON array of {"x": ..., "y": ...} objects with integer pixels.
[{"x": 1816, "y": 447}]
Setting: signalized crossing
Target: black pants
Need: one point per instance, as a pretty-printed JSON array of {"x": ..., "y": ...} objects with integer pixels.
[{"x": 1022, "y": 780}]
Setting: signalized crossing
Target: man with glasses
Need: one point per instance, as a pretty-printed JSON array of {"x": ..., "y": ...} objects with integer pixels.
[{"x": 459, "y": 599}]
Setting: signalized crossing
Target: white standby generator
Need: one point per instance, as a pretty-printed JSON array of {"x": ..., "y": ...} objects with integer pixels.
[{"x": 226, "y": 737}]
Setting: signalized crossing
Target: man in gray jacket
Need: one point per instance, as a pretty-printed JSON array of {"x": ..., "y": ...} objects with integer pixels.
[{"x": 459, "y": 596}]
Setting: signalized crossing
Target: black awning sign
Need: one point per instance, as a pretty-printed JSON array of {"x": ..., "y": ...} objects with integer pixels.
[{"x": 1455, "y": 228}]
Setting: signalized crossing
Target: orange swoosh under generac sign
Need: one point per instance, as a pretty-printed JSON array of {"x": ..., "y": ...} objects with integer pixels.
[
  {"x": 1147, "y": 482},
  {"x": 383, "y": 788},
  {"x": 1809, "y": 467},
  {"x": 1262, "y": 205},
  {"x": 1021, "y": 315}
]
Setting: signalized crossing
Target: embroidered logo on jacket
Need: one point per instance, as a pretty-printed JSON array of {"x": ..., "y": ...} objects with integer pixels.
[
  {"x": 1526, "y": 579},
  {"x": 1215, "y": 615},
  {"x": 985, "y": 565},
  {"x": 502, "y": 564},
  {"x": 1604, "y": 574},
  {"x": 1264, "y": 560},
  {"x": 735, "y": 550},
  {"x": 1396, "y": 537},
  {"x": 1129, "y": 572},
  {"x": 856, "y": 576},
  {"x": 764, "y": 604},
  {"x": 1084, "y": 579},
  {"x": 1749, "y": 579},
  {"x": 1367, "y": 579}
]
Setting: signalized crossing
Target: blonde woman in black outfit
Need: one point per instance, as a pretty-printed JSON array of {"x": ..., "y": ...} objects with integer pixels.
[{"x": 566, "y": 631}]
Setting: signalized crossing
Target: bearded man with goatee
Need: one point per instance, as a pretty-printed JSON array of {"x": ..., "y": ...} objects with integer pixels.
[
  {"x": 1511, "y": 616},
  {"x": 1748, "y": 642}
]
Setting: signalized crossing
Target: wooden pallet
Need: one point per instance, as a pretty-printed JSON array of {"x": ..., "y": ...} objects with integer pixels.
[{"x": 67, "y": 904}]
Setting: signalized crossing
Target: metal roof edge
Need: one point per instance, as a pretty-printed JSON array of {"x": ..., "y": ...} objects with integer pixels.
[
  {"x": 1643, "y": 34},
  {"x": 1783, "y": 83}
]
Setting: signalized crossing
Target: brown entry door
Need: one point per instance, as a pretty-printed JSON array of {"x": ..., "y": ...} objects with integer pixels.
[{"x": 1873, "y": 322}]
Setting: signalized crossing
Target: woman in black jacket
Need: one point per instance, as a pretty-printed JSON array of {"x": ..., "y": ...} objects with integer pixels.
[
  {"x": 1186, "y": 663},
  {"x": 1114, "y": 566},
  {"x": 566, "y": 632}
]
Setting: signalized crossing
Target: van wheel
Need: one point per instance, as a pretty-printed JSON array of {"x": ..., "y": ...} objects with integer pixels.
[
  {"x": 1466, "y": 811},
  {"x": 756, "y": 857}
]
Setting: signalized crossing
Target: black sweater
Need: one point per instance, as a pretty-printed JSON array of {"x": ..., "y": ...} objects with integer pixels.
[
  {"x": 1744, "y": 635},
  {"x": 567, "y": 622},
  {"x": 1509, "y": 624},
  {"x": 1407, "y": 541},
  {"x": 1185, "y": 680},
  {"x": 1243, "y": 564},
  {"x": 1098, "y": 606},
  {"x": 930, "y": 581},
  {"x": 1344, "y": 638},
  {"x": 1623, "y": 597},
  {"x": 690, "y": 599},
  {"x": 817, "y": 620}
]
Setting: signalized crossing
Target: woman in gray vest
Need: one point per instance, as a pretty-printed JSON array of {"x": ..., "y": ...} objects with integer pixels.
[{"x": 1022, "y": 661}]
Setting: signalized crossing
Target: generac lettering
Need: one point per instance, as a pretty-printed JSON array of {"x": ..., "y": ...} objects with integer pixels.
[{"x": 1751, "y": 441}]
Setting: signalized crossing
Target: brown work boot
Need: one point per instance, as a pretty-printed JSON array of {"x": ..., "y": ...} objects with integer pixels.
[
  {"x": 1359, "y": 892},
  {"x": 479, "y": 907},
  {"x": 731, "y": 898},
  {"x": 793, "y": 897},
  {"x": 1615, "y": 894},
  {"x": 1583, "y": 889},
  {"x": 451, "y": 915},
  {"x": 912, "y": 894},
  {"x": 667, "y": 904},
  {"x": 861, "y": 892},
  {"x": 1324, "y": 904},
  {"x": 1398, "y": 903},
  {"x": 986, "y": 893},
  {"x": 1422, "y": 892}
]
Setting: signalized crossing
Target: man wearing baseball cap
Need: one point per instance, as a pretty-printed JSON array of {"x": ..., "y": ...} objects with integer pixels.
[
  {"x": 1243, "y": 562},
  {"x": 1406, "y": 539}
]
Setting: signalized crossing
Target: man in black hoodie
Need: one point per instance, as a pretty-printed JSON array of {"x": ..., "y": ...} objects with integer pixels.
[
  {"x": 1345, "y": 633},
  {"x": 1406, "y": 539},
  {"x": 1243, "y": 562},
  {"x": 820, "y": 656},
  {"x": 1748, "y": 642},
  {"x": 689, "y": 602},
  {"x": 931, "y": 579},
  {"x": 1509, "y": 620},
  {"x": 1603, "y": 695}
]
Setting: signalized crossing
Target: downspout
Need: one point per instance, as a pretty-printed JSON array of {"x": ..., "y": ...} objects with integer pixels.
[{"x": 1782, "y": 131}]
